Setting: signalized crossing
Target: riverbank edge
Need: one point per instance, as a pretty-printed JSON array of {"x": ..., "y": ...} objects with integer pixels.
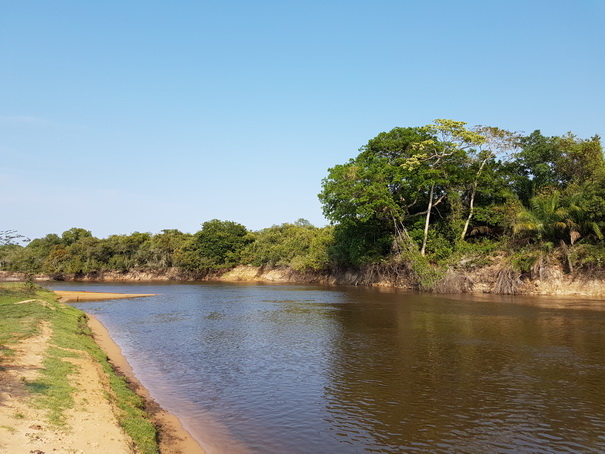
[
  {"x": 492, "y": 279},
  {"x": 173, "y": 437}
]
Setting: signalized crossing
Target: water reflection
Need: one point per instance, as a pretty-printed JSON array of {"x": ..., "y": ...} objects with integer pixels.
[
  {"x": 465, "y": 377},
  {"x": 274, "y": 369}
]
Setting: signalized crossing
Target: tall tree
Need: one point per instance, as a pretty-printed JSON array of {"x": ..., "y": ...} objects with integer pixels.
[
  {"x": 376, "y": 191},
  {"x": 11, "y": 237},
  {"x": 442, "y": 160},
  {"x": 401, "y": 176},
  {"x": 75, "y": 234},
  {"x": 554, "y": 163},
  {"x": 482, "y": 162}
]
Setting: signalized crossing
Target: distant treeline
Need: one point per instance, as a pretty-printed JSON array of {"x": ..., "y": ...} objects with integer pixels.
[
  {"x": 432, "y": 197},
  {"x": 219, "y": 245}
]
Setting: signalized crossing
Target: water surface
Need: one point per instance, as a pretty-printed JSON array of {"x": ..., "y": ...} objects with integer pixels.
[{"x": 301, "y": 369}]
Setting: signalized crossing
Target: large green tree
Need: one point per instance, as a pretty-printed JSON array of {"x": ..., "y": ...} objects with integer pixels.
[
  {"x": 371, "y": 195},
  {"x": 401, "y": 177},
  {"x": 220, "y": 243},
  {"x": 160, "y": 251},
  {"x": 556, "y": 163},
  {"x": 443, "y": 164},
  {"x": 485, "y": 179}
]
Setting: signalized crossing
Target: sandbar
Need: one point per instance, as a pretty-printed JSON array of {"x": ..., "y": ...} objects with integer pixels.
[{"x": 69, "y": 296}]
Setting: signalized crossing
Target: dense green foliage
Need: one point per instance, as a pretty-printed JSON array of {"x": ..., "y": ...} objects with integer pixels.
[
  {"x": 218, "y": 246},
  {"x": 437, "y": 191},
  {"x": 299, "y": 245}
]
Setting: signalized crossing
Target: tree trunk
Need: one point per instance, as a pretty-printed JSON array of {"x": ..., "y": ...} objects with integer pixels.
[
  {"x": 471, "y": 209},
  {"x": 428, "y": 220}
]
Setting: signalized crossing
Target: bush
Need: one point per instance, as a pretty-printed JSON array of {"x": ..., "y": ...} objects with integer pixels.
[
  {"x": 588, "y": 257},
  {"x": 299, "y": 245}
]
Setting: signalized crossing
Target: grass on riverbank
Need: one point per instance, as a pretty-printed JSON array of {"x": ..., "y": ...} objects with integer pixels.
[
  {"x": 18, "y": 321},
  {"x": 24, "y": 310}
]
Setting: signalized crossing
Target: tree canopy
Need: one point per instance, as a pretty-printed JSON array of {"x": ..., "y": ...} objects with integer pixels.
[
  {"x": 430, "y": 191},
  {"x": 427, "y": 188}
]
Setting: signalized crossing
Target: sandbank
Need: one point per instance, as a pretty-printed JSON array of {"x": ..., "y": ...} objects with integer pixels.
[{"x": 69, "y": 296}]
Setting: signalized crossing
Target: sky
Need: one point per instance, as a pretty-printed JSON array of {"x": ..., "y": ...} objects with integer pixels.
[{"x": 124, "y": 116}]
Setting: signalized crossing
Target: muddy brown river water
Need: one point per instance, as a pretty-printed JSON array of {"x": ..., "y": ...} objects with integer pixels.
[{"x": 304, "y": 369}]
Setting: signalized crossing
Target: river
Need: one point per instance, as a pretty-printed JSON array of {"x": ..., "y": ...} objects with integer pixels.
[{"x": 253, "y": 368}]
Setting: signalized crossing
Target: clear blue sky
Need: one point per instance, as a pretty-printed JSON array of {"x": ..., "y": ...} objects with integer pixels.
[{"x": 122, "y": 116}]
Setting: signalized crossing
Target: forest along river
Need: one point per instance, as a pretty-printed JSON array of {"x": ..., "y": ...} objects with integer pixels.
[{"x": 301, "y": 369}]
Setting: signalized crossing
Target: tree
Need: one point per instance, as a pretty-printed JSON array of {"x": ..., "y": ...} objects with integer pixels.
[
  {"x": 554, "y": 163},
  {"x": 162, "y": 247},
  {"x": 555, "y": 218},
  {"x": 74, "y": 234},
  {"x": 371, "y": 196},
  {"x": 483, "y": 167},
  {"x": 82, "y": 256},
  {"x": 580, "y": 161},
  {"x": 12, "y": 237},
  {"x": 32, "y": 257},
  {"x": 126, "y": 251},
  {"x": 562, "y": 185},
  {"x": 400, "y": 177},
  {"x": 220, "y": 243},
  {"x": 535, "y": 164},
  {"x": 443, "y": 160},
  {"x": 299, "y": 245}
]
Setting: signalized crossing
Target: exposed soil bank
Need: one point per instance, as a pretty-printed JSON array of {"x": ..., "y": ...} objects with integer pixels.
[
  {"x": 484, "y": 280},
  {"x": 174, "y": 439},
  {"x": 490, "y": 279}
]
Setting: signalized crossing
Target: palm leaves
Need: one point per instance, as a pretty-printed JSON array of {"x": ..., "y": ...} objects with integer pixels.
[{"x": 551, "y": 217}]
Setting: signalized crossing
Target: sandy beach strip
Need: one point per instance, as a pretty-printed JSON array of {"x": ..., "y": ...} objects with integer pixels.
[
  {"x": 69, "y": 296},
  {"x": 174, "y": 439}
]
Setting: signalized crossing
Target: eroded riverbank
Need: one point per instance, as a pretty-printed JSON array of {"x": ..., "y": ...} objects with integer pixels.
[{"x": 489, "y": 279}]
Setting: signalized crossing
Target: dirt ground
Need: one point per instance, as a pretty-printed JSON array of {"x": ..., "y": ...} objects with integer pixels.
[{"x": 91, "y": 425}]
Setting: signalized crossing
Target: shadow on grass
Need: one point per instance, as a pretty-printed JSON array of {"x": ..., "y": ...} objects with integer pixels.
[{"x": 37, "y": 387}]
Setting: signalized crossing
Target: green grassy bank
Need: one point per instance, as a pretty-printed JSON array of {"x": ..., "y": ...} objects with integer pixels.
[{"x": 51, "y": 390}]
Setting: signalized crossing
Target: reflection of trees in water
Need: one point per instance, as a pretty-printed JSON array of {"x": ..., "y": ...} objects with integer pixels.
[{"x": 415, "y": 371}]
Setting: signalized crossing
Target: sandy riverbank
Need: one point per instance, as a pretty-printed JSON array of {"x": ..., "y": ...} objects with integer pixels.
[
  {"x": 174, "y": 439},
  {"x": 89, "y": 423},
  {"x": 90, "y": 426},
  {"x": 69, "y": 296}
]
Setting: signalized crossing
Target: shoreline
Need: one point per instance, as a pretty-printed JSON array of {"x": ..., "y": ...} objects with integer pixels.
[
  {"x": 483, "y": 280},
  {"x": 173, "y": 438}
]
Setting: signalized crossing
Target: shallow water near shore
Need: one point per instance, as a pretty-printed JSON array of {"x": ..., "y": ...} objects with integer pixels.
[{"x": 299, "y": 369}]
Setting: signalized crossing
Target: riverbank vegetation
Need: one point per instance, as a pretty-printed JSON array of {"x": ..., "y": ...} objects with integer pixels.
[{"x": 430, "y": 203}]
